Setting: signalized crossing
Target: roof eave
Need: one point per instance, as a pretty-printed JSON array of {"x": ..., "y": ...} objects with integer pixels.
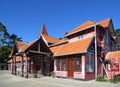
[
  {"x": 70, "y": 54},
  {"x": 81, "y": 30}
]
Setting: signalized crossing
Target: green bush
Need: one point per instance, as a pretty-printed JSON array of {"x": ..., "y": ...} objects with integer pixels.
[
  {"x": 101, "y": 79},
  {"x": 52, "y": 74},
  {"x": 115, "y": 79},
  {"x": 35, "y": 75}
]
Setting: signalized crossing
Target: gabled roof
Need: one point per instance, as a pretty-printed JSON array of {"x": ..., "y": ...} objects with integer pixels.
[
  {"x": 88, "y": 24},
  {"x": 17, "y": 46},
  {"x": 76, "y": 47},
  {"x": 48, "y": 38},
  {"x": 105, "y": 23},
  {"x": 51, "y": 39},
  {"x": 20, "y": 44},
  {"x": 110, "y": 55},
  {"x": 81, "y": 27},
  {"x": 26, "y": 46}
]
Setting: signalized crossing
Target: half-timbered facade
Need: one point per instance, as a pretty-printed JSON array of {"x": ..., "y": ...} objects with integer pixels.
[
  {"x": 34, "y": 57},
  {"x": 79, "y": 54},
  {"x": 76, "y": 57}
]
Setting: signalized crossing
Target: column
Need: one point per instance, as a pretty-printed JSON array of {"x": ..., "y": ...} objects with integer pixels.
[
  {"x": 14, "y": 65},
  {"x": 22, "y": 66},
  {"x": 26, "y": 67},
  {"x": 31, "y": 66},
  {"x": 41, "y": 66},
  {"x": 83, "y": 66}
]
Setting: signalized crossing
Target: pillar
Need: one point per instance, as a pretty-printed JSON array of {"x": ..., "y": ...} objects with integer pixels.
[
  {"x": 22, "y": 66},
  {"x": 26, "y": 67},
  {"x": 83, "y": 66},
  {"x": 14, "y": 65}
]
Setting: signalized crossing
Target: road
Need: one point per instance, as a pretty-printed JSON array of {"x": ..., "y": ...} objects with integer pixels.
[{"x": 9, "y": 80}]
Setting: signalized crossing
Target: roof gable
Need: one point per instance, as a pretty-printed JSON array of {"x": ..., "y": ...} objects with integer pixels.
[
  {"x": 81, "y": 27},
  {"x": 76, "y": 47},
  {"x": 19, "y": 44},
  {"x": 104, "y": 23},
  {"x": 26, "y": 46},
  {"x": 45, "y": 35}
]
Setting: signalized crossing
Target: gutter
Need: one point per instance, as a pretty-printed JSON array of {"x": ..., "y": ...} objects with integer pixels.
[{"x": 70, "y": 54}]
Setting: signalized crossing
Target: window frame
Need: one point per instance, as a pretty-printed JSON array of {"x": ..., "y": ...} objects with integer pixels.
[
  {"x": 63, "y": 64},
  {"x": 79, "y": 65},
  {"x": 90, "y": 63},
  {"x": 58, "y": 65}
]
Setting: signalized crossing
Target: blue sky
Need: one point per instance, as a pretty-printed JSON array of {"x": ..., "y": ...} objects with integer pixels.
[{"x": 26, "y": 17}]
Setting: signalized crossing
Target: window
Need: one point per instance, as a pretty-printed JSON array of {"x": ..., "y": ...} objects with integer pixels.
[
  {"x": 80, "y": 37},
  {"x": 107, "y": 37},
  {"x": 58, "y": 64},
  {"x": 63, "y": 64},
  {"x": 90, "y": 62},
  {"x": 78, "y": 64},
  {"x": 109, "y": 67}
]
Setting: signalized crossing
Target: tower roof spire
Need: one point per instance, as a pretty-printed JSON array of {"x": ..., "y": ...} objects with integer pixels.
[{"x": 43, "y": 30}]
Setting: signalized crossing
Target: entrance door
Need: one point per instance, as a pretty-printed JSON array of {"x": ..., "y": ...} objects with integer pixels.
[{"x": 71, "y": 67}]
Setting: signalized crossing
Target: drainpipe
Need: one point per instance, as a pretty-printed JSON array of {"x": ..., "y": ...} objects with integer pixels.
[{"x": 96, "y": 65}]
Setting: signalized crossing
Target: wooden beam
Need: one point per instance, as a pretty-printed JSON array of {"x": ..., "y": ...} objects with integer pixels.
[
  {"x": 45, "y": 53},
  {"x": 39, "y": 46}
]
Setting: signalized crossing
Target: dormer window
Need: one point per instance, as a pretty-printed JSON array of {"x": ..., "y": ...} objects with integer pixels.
[{"x": 80, "y": 37}]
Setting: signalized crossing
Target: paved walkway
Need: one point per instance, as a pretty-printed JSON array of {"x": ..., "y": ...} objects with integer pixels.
[{"x": 8, "y": 80}]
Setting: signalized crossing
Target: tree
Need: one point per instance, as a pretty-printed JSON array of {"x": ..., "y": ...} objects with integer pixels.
[
  {"x": 12, "y": 39},
  {"x": 4, "y": 35},
  {"x": 117, "y": 33},
  {"x": 4, "y": 53},
  {"x": 5, "y": 38},
  {"x": 6, "y": 43}
]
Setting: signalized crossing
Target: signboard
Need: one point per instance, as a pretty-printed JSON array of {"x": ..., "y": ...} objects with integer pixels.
[
  {"x": 114, "y": 67},
  {"x": 115, "y": 60}
]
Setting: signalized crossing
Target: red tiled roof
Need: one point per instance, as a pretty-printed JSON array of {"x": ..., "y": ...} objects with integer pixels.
[
  {"x": 43, "y": 31},
  {"x": 20, "y": 44},
  {"x": 105, "y": 23},
  {"x": 51, "y": 39},
  {"x": 110, "y": 55},
  {"x": 81, "y": 27},
  {"x": 48, "y": 38},
  {"x": 88, "y": 24},
  {"x": 80, "y": 46},
  {"x": 26, "y": 46},
  {"x": 18, "y": 58}
]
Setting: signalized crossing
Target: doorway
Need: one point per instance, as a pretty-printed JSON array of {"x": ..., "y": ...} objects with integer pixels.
[{"x": 71, "y": 67}]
